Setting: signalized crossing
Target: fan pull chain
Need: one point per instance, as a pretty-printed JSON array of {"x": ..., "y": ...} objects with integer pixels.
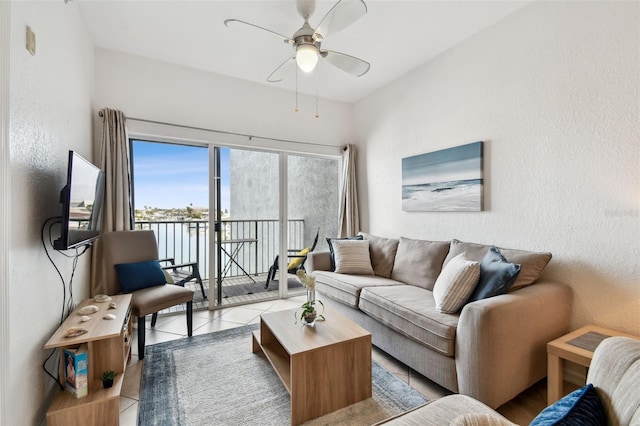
[{"x": 296, "y": 110}]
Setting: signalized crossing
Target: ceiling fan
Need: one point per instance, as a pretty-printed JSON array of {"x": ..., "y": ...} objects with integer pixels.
[{"x": 307, "y": 40}]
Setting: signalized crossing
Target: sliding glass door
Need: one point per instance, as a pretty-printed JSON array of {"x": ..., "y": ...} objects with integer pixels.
[
  {"x": 171, "y": 197},
  {"x": 312, "y": 208},
  {"x": 247, "y": 224},
  {"x": 229, "y": 208}
]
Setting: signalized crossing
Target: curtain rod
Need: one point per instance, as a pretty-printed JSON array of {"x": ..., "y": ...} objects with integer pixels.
[{"x": 344, "y": 148}]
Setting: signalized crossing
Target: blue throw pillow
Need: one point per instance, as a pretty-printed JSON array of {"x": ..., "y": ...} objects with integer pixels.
[
  {"x": 333, "y": 257},
  {"x": 136, "y": 276},
  {"x": 496, "y": 276},
  {"x": 581, "y": 407}
]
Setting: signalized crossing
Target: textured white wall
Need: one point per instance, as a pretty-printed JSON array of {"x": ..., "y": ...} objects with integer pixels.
[
  {"x": 153, "y": 90},
  {"x": 5, "y": 208},
  {"x": 553, "y": 90},
  {"x": 50, "y": 113}
]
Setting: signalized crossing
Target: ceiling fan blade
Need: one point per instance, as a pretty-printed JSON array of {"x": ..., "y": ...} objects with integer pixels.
[
  {"x": 341, "y": 15},
  {"x": 347, "y": 63},
  {"x": 280, "y": 36},
  {"x": 281, "y": 72}
]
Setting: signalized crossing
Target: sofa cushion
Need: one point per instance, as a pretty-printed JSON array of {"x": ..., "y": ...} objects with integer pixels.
[
  {"x": 531, "y": 263},
  {"x": 419, "y": 262},
  {"x": 352, "y": 257},
  {"x": 411, "y": 310},
  {"x": 581, "y": 407},
  {"x": 496, "y": 276},
  {"x": 455, "y": 284},
  {"x": 382, "y": 252},
  {"x": 153, "y": 299},
  {"x": 346, "y": 288},
  {"x": 330, "y": 244}
]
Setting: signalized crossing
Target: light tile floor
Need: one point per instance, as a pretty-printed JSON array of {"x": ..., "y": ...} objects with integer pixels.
[{"x": 520, "y": 410}]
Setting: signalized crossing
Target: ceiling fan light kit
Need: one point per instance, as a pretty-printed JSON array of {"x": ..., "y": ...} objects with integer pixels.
[
  {"x": 306, "y": 41},
  {"x": 307, "y": 57}
]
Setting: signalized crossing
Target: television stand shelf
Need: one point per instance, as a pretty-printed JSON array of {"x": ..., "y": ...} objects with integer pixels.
[{"x": 108, "y": 348}]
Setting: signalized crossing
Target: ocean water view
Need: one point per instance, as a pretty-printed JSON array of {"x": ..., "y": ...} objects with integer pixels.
[
  {"x": 253, "y": 243},
  {"x": 458, "y": 195},
  {"x": 183, "y": 241}
]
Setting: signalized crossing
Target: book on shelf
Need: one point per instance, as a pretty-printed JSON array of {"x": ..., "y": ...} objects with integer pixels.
[{"x": 75, "y": 370}]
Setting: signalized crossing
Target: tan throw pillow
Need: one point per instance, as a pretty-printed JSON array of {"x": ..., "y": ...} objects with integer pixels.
[
  {"x": 382, "y": 252},
  {"x": 419, "y": 262},
  {"x": 531, "y": 263},
  {"x": 352, "y": 257},
  {"x": 455, "y": 284}
]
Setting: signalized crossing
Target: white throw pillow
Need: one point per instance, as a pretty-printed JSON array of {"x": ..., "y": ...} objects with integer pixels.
[
  {"x": 352, "y": 257},
  {"x": 455, "y": 284}
]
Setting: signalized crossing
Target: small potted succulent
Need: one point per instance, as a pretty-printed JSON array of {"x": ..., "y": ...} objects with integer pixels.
[{"x": 107, "y": 378}]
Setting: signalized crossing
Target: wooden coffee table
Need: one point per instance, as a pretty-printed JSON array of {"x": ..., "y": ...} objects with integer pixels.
[{"x": 324, "y": 368}]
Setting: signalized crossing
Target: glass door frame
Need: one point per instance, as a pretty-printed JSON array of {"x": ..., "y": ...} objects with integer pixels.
[
  {"x": 187, "y": 135},
  {"x": 283, "y": 218},
  {"x": 215, "y": 224}
]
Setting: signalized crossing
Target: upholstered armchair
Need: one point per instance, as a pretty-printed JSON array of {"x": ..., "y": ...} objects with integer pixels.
[{"x": 130, "y": 259}]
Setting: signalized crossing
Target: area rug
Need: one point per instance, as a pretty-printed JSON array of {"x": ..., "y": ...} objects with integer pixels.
[{"x": 215, "y": 379}]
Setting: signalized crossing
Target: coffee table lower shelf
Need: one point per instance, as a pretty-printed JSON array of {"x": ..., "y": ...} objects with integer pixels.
[{"x": 278, "y": 358}]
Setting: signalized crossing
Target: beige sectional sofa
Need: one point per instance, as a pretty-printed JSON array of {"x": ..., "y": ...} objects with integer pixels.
[{"x": 491, "y": 350}]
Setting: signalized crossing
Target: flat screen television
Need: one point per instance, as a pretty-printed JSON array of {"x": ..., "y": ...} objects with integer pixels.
[{"x": 81, "y": 200}]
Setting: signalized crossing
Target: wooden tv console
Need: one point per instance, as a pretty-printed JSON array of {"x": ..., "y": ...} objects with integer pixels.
[{"x": 109, "y": 348}]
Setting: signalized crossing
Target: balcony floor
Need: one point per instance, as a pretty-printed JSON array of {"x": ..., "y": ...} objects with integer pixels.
[{"x": 238, "y": 290}]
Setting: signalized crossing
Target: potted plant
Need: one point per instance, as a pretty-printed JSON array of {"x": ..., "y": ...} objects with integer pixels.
[
  {"x": 107, "y": 378},
  {"x": 309, "y": 313}
]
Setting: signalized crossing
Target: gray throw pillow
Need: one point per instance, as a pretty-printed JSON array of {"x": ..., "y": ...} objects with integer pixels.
[
  {"x": 496, "y": 276},
  {"x": 531, "y": 263},
  {"x": 419, "y": 262},
  {"x": 383, "y": 253}
]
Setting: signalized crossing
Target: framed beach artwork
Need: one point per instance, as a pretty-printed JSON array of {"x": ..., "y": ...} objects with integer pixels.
[{"x": 449, "y": 180}]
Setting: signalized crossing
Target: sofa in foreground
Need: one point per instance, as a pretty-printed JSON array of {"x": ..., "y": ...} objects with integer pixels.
[
  {"x": 491, "y": 349},
  {"x": 611, "y": 397}
]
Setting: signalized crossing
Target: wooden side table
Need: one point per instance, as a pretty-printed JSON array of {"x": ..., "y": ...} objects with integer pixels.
[
  {"x": 577, "y": 346},
  {"x": 108, "y": 348}
]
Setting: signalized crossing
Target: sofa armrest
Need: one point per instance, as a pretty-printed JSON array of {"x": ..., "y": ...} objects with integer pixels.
[
  {"x": 501, "y": 341},
  {"x": 318, "y": 261},
  {"x": 459, "y": 410}
]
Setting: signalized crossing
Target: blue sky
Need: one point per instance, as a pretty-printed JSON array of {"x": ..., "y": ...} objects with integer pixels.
[{"x": 169, "y": 175}]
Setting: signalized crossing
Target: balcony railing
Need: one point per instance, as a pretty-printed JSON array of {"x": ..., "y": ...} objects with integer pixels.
[{"x": 188, "y": 241}]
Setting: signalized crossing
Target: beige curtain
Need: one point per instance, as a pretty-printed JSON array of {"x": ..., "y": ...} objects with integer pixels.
[
  {"x": 349, "y": 220},
  {"x": 117, "y": 212}
]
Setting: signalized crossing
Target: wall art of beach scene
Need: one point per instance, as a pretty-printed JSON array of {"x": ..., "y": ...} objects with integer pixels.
[{"x": 446, "y": 181}]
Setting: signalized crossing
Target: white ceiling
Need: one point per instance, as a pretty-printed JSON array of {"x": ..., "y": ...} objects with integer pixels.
[{"x": 394, "y": 36}]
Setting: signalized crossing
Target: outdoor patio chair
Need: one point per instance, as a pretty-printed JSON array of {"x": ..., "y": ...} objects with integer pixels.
[
  {"x": 132, "y": 266},
  {"x": 296, "y": 260},
  {"x": 183, "y": 273}
]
